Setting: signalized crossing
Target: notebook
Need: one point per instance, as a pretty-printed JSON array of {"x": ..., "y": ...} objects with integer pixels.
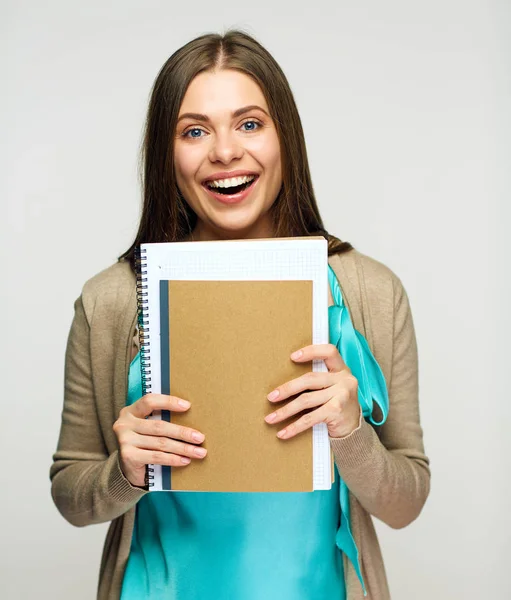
[{"x": 218, "y": 322}]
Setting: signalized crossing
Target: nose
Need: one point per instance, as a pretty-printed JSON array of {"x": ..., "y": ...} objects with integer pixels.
[{"x": 225, "y": 148}]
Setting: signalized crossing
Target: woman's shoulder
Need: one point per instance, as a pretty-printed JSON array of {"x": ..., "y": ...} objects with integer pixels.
[
  {"x": 113, "y": 286},
  {"x": 376, "y": 299},
  {"x": 114, "y": 277},
  {"x": 367, "y": 275}
]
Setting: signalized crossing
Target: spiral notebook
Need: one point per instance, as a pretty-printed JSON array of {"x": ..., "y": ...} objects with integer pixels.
[{"x": 218, "y": 322}]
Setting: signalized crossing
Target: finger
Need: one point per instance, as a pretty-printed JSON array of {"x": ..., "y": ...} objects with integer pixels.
[
  {"x": 308, "y": 420},
  {"x": 155, "y": 457},
  {"x": 151, "y": 402},
  {"x": 303, "y": 402},
  {"x": 165, "y": 444},
  {"x": 309, "y": 381},
  {"x": 327, "y": 352},
  {"x": 160, "y": 428}
]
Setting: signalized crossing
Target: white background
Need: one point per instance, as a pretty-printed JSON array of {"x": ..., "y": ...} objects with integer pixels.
[{"x": 405, "y": 107}]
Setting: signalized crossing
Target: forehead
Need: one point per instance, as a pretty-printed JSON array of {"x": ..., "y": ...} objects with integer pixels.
[{"x": 220, "y": 92}]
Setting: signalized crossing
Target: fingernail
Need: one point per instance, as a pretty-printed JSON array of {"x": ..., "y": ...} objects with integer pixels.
[
  {"x": 183, "y": 403},
  {"x": 271, "y": 418},
  {"x": 282, "y": 433},
  {"x": 198, "y": 437},
  {"x": 296, "y": 354},
  {"x": 273, "y": 395},
  {"x": 200, "y": 452},
  {"x": 185, "y": 460}
]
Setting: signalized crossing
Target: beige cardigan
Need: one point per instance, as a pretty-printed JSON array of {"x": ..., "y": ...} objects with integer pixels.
[{"x": 384, "y": 468}]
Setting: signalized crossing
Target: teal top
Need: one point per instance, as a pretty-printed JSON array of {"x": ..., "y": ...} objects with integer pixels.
[{"x": 219, "y": 546}]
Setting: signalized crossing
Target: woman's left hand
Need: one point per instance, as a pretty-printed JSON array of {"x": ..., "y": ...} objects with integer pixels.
[{"x": 335, "y": 393}]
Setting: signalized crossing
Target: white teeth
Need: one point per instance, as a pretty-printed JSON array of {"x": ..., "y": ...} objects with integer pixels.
[{"x": 232, "y": 182}]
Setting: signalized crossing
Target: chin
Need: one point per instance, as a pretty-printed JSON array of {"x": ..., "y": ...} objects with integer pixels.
[
  {"x": 236, "y": 226},
  {"x": 234, "y": 231}
]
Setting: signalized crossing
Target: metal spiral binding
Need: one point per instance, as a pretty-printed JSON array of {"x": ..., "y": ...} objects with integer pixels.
[{"x": 144, "y": 335}]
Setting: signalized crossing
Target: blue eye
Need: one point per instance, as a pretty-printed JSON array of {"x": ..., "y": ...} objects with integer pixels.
[
  {"x": 254, "y": 123},
  {"x": 194, "y": 129}
]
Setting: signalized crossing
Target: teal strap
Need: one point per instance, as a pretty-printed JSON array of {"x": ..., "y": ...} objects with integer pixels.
[
  {"x": 356, "y": 353},
  {"x": 372, "y": 389}
]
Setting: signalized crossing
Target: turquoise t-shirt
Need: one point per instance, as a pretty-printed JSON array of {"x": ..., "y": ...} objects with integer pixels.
[
  {"x": 225, "y": 546},
  {"x": 255, "y": 546}
]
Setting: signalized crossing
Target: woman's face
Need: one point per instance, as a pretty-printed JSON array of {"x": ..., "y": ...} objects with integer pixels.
[{"x": 227, "y": 156}]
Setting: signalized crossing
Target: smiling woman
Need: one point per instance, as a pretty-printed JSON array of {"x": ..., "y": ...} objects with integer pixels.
[
  {"x": 224, "y": 158},
  {"x": 225, "y": 124}
]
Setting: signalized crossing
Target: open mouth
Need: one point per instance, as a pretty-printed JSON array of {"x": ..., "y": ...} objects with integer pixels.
[{"x": 230, "y": 190}]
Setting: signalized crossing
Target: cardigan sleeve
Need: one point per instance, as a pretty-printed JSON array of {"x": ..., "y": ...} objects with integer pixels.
[
  {"x": 87, "y": 483},
  {"x": 389, "y": 473}
]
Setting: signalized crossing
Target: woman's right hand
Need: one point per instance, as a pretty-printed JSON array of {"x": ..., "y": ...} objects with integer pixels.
[{"x": 153, "y": 441}]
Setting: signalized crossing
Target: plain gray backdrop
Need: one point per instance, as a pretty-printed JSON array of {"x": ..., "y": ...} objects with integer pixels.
[{"x": 405, "y": 107}]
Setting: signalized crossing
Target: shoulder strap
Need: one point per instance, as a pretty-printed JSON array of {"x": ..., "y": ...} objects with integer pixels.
[
  {"x": 355, "y": 351},
  {"x": 348, "y": 273}
]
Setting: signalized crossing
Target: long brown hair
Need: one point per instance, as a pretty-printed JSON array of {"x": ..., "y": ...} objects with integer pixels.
[{"x": 166, "y": 216}]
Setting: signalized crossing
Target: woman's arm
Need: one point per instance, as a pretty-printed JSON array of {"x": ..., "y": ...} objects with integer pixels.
[
  {"x": 88, "y": 485},
  {"x": 389, "y": 474}
]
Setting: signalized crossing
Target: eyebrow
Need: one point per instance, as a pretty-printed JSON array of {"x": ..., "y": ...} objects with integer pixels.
[{"x": 236, "y": 113}]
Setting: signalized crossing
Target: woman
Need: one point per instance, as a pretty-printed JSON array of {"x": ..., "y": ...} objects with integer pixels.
[{"x": 224, "y": 158}]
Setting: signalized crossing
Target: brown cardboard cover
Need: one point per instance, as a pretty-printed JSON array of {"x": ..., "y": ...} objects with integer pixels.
[{"x": 230, "y": 343}]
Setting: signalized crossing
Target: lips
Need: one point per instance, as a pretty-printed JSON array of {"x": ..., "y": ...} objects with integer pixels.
[
  {"x": 230, "y": 186},
  {"x": 235, "y": 198}
]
